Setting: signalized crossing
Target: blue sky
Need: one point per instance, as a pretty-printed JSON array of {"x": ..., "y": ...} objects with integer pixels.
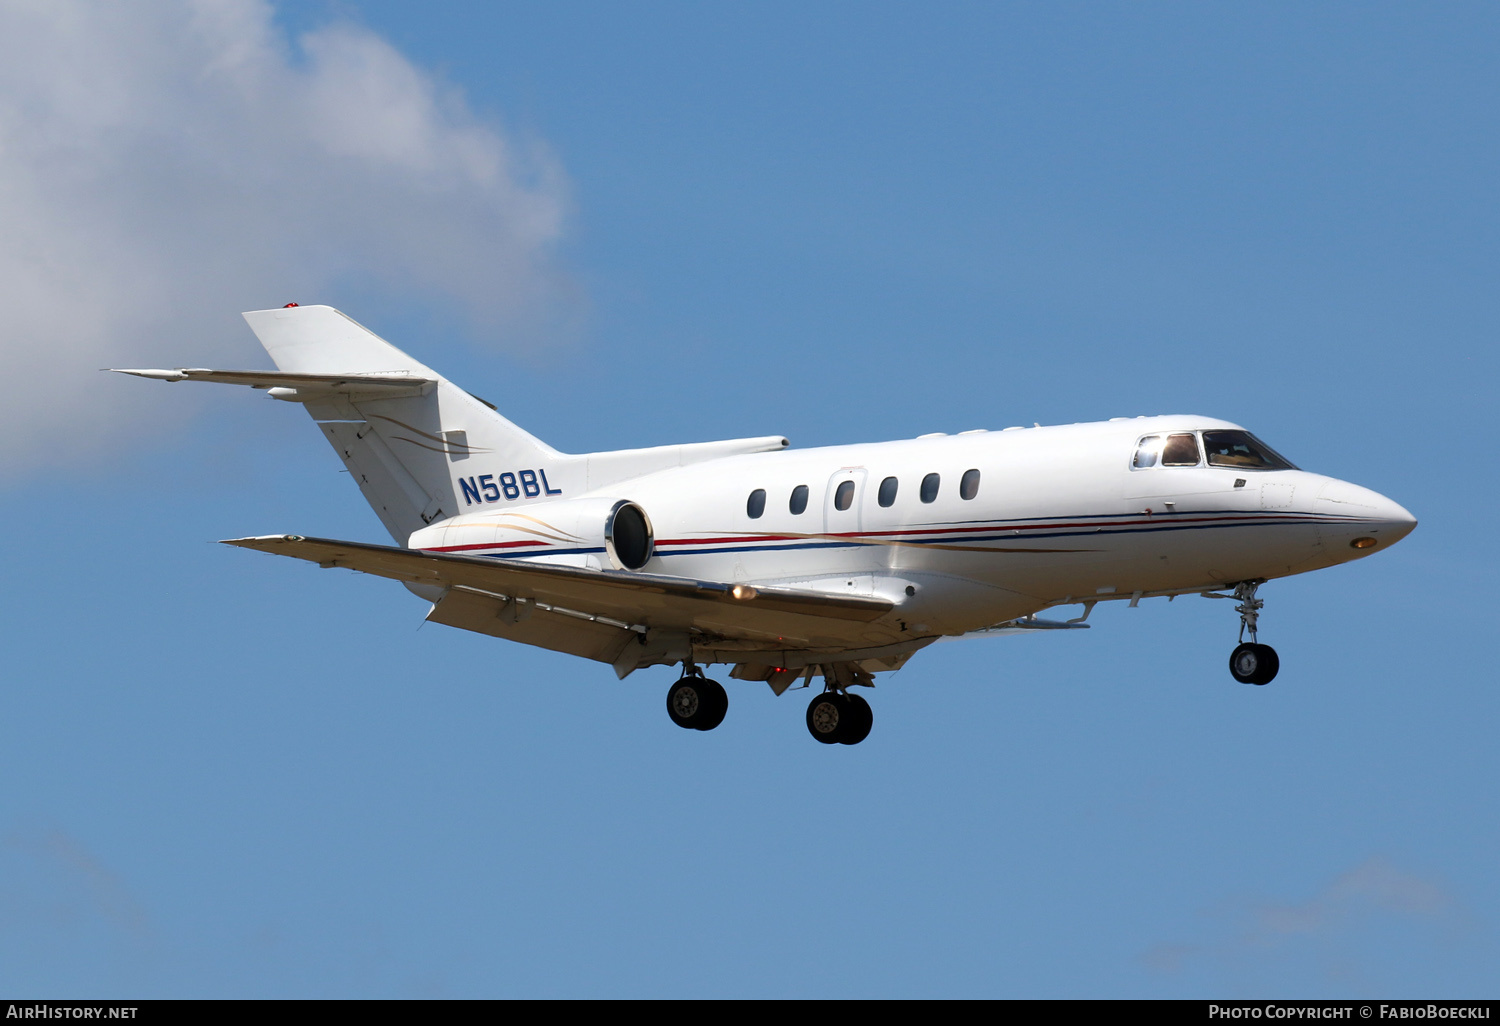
[{"x": 229, "y": 775}]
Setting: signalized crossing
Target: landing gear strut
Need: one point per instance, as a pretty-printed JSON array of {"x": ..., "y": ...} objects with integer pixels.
[
  {"x": 1251, "y": 663},
  {"x": 695, "y": 702},
  {"x": 839, "y": 718}
]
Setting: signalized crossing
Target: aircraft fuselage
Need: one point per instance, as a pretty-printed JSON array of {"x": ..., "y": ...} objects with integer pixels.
[{"x": 1047, "y": 516}]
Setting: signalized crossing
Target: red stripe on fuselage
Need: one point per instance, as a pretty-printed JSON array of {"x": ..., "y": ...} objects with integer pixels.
[{"x": 485, "y": 545}]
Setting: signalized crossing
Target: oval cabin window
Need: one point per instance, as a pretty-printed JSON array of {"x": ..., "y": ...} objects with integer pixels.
[
  {"x": 887, "y": 491},
  {"x": 757, "y": 504},
  {"x": 969, "y": 486},
  {"x": 843, "y": 498},
  {"x": 799, "y": 500},
  {"x": 930, "y": 487}
]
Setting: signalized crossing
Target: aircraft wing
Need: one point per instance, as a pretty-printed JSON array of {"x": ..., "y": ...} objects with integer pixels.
[{"x": 626, "y": 619}]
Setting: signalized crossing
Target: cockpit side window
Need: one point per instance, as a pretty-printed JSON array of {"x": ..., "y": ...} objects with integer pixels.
[
  {"x": 1180, "y": 451},
  {"x": 1147, "y": 452},
  {"x": 1243, "y": 451}
]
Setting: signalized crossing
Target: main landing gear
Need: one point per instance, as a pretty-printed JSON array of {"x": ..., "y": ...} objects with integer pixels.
[
  {"x": 839, "y": 718},
  {"x": 695, "y": 702},
  {"x": 1251, "y": 663},
  {"x": 835, "y": 717}
]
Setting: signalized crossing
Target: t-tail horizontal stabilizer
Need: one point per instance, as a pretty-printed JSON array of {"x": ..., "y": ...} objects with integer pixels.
[{"x": 298, "y": 387}]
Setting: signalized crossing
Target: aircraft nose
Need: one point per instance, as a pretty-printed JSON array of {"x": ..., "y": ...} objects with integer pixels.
[
  {"x": 1370, "y": 520},
  {"x": 1399, "y": 522}
]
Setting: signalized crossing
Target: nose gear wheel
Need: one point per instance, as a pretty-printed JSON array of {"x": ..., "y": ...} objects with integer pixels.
[{"x": 1254, "y": 664}]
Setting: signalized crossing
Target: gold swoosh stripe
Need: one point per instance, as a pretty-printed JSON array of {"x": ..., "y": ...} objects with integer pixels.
[
  {"x": 430, "y": 437},
  {"x": 569, "y": 539},
  {"x": 542, "y": 523}
]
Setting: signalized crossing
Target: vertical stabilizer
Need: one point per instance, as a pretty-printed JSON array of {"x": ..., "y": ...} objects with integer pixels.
[{"x": 419, "y": 457}]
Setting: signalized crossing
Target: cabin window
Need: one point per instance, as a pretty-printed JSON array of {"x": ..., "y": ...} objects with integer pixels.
[
  {"x": 930, "y": 487},
  {"x": 969, "y": 486},
  {"x": 887, "y": 491},
  {"x": 757, "y": 503},
  {"x": 843, "y": 497},
  {"x": 1242, "y": 450},
  {"x": 799, "y": 500},
  {"x": 1180, "y": 451}
]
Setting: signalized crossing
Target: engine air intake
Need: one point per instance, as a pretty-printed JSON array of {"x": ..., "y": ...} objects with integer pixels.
[{"x": 628, "y": 537}]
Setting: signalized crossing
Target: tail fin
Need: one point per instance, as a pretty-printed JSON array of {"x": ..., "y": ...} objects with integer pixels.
[
  {"x": 421, "y": 448},
  {"x": 406, "y": 452}
]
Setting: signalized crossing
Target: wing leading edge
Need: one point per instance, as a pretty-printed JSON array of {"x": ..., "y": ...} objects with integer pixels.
[{"x": 628, "y": 620}]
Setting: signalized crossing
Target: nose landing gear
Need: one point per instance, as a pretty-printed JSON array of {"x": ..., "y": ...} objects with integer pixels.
[
  {"x": 695, "y": 702},
  {"x": 1251, "y": 662}
]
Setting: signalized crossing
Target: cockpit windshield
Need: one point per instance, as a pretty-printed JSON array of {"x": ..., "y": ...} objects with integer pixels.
[{"x": 1242, "y": 450}]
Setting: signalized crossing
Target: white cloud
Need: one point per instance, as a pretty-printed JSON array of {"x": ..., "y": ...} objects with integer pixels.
[
  {"x": 166, "y": 164},
  {"x": 1372, "y": 886},
  {"x": 65, "y": 884},
  {"x": 1256, "y": 932}
]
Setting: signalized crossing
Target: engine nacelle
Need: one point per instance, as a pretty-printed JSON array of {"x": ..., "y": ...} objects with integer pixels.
[{"x": 611, "y": 534}]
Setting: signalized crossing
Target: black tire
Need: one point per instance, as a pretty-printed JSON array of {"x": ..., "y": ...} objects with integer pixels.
[
  {"x": 827, "y": 717},
  {"x": 697, "y": 703},
  {"x": 859, "y": 718},
  {"x": 717, "y": 705},
  {"x": 1251, "y": 663},
  {"x": 687, "y": 701},
  {"x": 1270, "y": 665}
]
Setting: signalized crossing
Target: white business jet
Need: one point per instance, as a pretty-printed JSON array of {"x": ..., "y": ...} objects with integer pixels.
[{"x": 838, "y": 562}]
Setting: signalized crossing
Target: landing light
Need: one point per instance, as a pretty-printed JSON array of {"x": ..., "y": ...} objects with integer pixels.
[
  {"x": 1362, "y": 543},
  {"x": 742, "y": 592}
]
